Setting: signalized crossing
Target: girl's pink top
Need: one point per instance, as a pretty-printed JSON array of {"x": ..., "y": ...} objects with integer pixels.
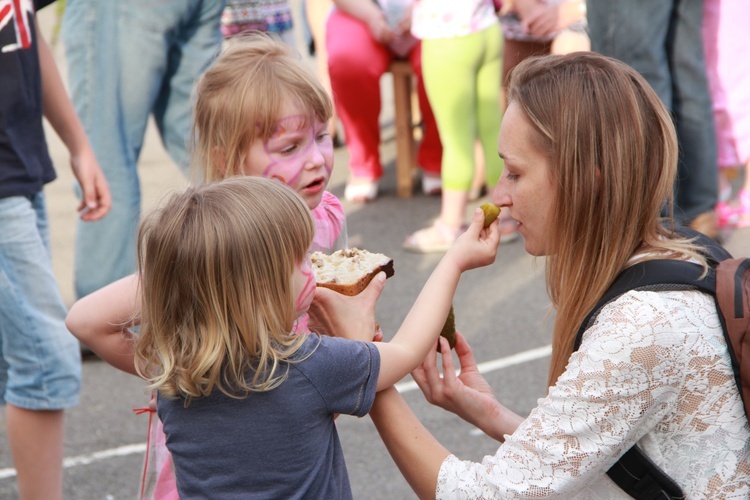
[
  {"x": 330, "y": 225},
  {"x": 330, "y": 235}
]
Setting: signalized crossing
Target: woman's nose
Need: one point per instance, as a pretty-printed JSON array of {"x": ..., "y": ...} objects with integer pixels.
[{"x": 500, "y": 195}]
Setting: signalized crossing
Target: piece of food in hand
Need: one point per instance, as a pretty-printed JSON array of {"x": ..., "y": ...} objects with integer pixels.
[
  {"x": 449, "y": 329},
  {"x": 491, "y": 211},
  {"x": 350, "y": 270}
]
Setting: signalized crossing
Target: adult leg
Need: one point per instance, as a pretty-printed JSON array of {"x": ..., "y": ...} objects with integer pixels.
[
  {"x": 356, "y": 61},
  {"x": 430, "y": 151},
  {"x": 36, "y": 445},
  {"x": 662, "y": 41},
  {"x": 40, "y": 367},
  {"x": 488, "y": 105},
  {"x": 454, "y": 102},
  {"x": 193, "y": 40},
  {"x": 697, "y": 187},
  {"x": 114, "y": 102},
  {"x": 635, "y": 32}
]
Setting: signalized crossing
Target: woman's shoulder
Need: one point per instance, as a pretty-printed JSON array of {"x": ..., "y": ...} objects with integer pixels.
[{"x": 673, "y": 319}]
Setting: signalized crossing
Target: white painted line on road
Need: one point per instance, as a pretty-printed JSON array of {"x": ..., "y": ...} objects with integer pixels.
[
  {"x": 130, "y": 449},
  {"x": 495, "y": 364},
  {"x": 97, "y": 456}
]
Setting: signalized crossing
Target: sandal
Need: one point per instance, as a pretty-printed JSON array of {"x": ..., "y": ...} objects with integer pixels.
[
  {"x": 436, "y": 238},
  {"x": 727, "y": 216},
  {"x": 361, "y": 191}
]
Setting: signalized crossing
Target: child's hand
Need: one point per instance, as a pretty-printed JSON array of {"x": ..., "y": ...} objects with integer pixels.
[
  {"x": 477, "y": 247},
  {"x": 96, "y": 199}
]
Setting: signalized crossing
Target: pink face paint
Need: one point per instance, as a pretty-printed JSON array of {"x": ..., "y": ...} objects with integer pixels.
[
  {"x": 308, "y": 290},
  {"x": 293, "y": 145}
]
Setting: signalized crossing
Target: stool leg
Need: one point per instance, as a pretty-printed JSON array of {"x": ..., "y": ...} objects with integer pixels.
[{"x": 405, "y": 150}]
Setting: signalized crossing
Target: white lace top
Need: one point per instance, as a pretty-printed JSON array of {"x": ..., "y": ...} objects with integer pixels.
[{"x": 652, "y": 369}]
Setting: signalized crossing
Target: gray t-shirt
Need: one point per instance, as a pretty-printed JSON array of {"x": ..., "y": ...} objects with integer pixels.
[{"x": 276, "y": 444}]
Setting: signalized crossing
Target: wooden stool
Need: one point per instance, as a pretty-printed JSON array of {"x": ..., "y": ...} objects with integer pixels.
[{"x": 405, "y": 109}]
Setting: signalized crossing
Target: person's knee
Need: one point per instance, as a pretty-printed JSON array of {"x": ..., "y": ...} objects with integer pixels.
[{"x": 351, "y": 66}]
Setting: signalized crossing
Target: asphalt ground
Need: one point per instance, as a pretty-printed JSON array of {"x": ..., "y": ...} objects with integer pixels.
[{"x": 503, "y": 310}]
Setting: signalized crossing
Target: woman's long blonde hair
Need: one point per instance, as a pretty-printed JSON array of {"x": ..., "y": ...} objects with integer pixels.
[
  {"x": 613, "y": 153},
  {"x": 238, "y": 100},
  {"x": 216, "y": 264}
]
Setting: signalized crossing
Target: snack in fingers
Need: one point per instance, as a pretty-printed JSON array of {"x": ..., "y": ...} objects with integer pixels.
[
  {"x": 350, "y": 270},
  {"x": 491, "y": 211},
  {"x": 449, "y": 329}
]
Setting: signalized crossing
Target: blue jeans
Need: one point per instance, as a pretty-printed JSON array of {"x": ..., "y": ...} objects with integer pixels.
[
  {"x": 40, "y": 360},
  {"x": 662, "y": 40},
  {"x": 128, "y": 60}
]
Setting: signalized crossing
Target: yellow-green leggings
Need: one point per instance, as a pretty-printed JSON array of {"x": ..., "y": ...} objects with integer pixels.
[{"x": 462, "y": 79}]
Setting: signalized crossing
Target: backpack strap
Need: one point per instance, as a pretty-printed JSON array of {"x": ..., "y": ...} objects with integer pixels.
[
  {"x": 642, "y": 479},
  {"x": 634, "y": 472},
  {"x": 733, "y": 300},
  {"x": 653, "y": 275}
]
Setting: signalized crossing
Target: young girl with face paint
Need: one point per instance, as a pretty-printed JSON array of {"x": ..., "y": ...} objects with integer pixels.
[{"x": 259, "y": 111}]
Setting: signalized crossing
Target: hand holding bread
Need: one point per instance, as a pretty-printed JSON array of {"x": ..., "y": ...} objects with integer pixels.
[{"x": 344, "y": 303}]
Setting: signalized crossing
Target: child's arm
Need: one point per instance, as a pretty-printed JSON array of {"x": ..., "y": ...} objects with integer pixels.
[
  {"x": 416, "y": 452},
  {"x": 417, "y": 334},
  {"x": 61, "y": 115},
  {"x": 102, "y": 320}
]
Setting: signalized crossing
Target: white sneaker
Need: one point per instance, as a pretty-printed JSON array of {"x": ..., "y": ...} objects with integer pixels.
[
  {"x": 432, "y": 185},
  {"x": 361, "y": 192}
]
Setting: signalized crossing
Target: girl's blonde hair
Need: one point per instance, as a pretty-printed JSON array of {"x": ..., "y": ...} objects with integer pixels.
[
  {"x": 613, "y": 153},
  {"x": 238, "y": 100},
  {"x": 216, "y": 266}
]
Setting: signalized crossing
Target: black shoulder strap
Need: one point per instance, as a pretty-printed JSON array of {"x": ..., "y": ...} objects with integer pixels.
[
  {"x": 642, "y": 479},
  {"x": 634, "y": 472}
]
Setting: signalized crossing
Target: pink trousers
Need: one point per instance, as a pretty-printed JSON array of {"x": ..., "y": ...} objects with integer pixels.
[{"x": 356, "y": 61}]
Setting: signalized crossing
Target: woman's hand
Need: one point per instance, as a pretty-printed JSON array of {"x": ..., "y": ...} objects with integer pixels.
[
  {"x": 468, "y": 394},
  {"x": 548, "y": 20},
  {"x": 380, "y": 29},
  {"x": 338, "y": 315},
  {"x": 404, "y": 25}
]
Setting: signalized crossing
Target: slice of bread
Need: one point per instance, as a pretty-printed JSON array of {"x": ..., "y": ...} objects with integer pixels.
[{"x": 350, "y": 270}]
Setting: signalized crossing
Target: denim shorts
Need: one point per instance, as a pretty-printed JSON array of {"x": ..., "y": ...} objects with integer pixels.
[{"x": 40, "y": 360}]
